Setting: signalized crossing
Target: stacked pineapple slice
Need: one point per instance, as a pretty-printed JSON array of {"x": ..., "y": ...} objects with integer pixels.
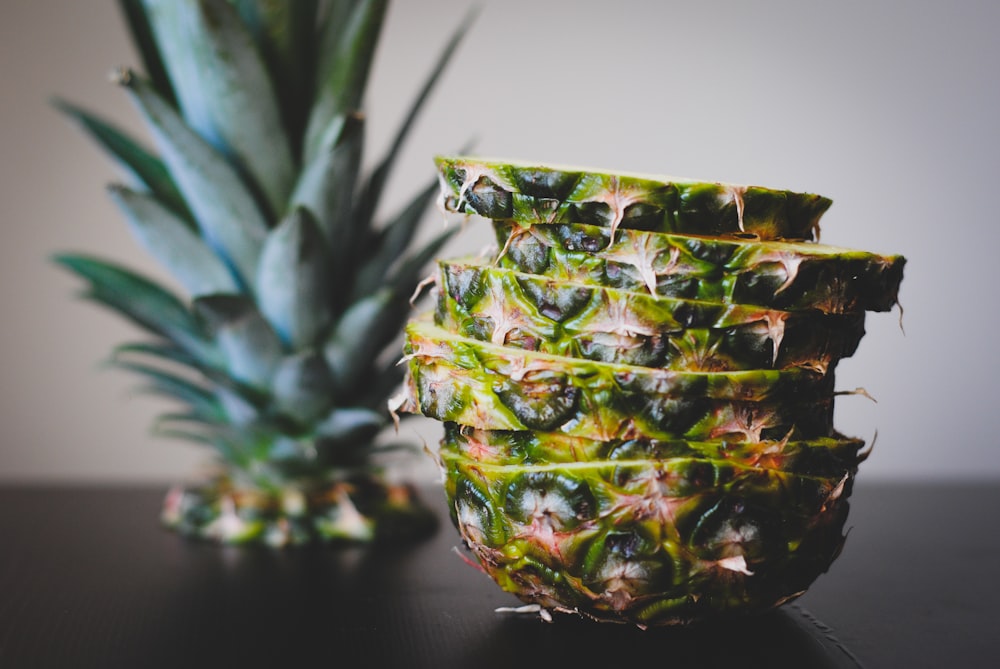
[{"x": 638, "y": 389}]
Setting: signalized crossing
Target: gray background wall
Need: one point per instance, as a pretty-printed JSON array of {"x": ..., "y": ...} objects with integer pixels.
[{"x": 887, "y": 106}]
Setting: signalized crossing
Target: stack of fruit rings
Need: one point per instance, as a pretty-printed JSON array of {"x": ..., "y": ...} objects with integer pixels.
[{"x": 638, "y": 389}]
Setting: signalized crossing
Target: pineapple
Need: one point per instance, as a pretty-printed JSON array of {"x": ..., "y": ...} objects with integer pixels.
[
  {"x": 638, "y": 389},
  {"x": 782, "y": 275},
  {"x": 611, "y": 325},
  {"x": 281, "y": 352},
  {"x": 538, "y": 194}
]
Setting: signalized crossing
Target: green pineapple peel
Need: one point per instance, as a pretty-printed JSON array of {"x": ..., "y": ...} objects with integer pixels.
[{"x": 637, "y": 389}]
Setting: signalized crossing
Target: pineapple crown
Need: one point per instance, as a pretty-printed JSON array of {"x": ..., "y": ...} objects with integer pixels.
[{"x": 254, "y": 202}]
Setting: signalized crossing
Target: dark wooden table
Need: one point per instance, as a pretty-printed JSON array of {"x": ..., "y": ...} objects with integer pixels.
[{"x": 88, "y": 579}]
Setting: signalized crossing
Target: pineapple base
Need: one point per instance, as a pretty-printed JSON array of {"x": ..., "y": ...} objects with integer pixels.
[
  {"x": 362, "y": 509},
  {"x": 579, "y": 540}
]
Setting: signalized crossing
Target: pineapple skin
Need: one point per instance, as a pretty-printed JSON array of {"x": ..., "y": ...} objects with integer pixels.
[
  {"x": 779, "y": 275},
  {"x": 823, "y": 457},
  {"x": 648, "y": 542},
  {"x": 627, "y": 437},
  {"x": 452, "y": 378},
  {"x": 595, "y": 322},
  {"x": 539, "y": 194}
]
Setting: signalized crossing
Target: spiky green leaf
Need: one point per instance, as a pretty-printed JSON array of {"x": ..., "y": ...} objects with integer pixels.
[
  {"x": 168, "y": 239},
  {"x": 303, "y": 387},
  {"x": 144, "y": 167},
  {"x": 145, "y": 43},
  {"x": 358, "y": 337},
  {"x": 376, "y": 182},
  {"x": 405, "y": 278},
  {"x": 284, "y": 35},
  {"x": 162, "y": 351},
  {"x": 139, "y": 299},
  {"x": 346, "y": 424},
  {"x": 226, "y": 211},
  {"x": 225, "y": 91},
  {"x": 250, "y": 348},
  {"x": 161, "y": 382},
  {"x": 347, "y": 46},
  {"x": 293, "y": 281},
  {"x": 326, "y": 188},
  {"x": 392, "y": 242}
]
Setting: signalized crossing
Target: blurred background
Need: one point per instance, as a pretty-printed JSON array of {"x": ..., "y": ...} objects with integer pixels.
[{"x": 889, "y": 107}]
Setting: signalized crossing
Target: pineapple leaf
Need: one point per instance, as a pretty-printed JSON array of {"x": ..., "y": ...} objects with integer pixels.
[
  {"x": 292, "y": 282},
  {"x": 249, "y": 345},
  {"x": 376, "y": 182},
  {"x": 226, "y": 211},
  {"x": 302, "y": 387},
  {"x": 161, "y": 382},
  {"x": 173, "y": 244},
  {"x": 164, "y": 351},
  {"x": 383, "y": 384},
  {"x": 224, "y": 90},
  {"x": 142, "y": 37},
  {"x": 347, "y": 45},
  {"x": 326, "y": 186},
  {"x": 361, "y": 332},
  {"x": 284, "y": 35},
  {"x": 407, "y": 275},
  {"x": 140, "y": 300},
  {"x": 141, "y": 164},
  {"x": 392, "y": 242},
  {"x": 351, "y": 424}
]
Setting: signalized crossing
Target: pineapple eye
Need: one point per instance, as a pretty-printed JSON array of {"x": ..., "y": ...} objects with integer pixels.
[
  {"x": 466, "y": 285},
  {"x": 671, "y": 415},
  {"x": 708, "y": 208},
  {"x": 643, "y": 216},
  {"x": 551, "y": 499},
  {"x": 489, "y": 200},
  {"x": 529, "y": 254},
  {"x": 439, "y": 395},
  {"x": 558, "y": 303},
  {"x": 541, "y": 401},
  {"x": 732, "y": 527},
  {"x": 542, "y": 183},
  {"x": 472, "y": 512},
  {"x": 588, "y": 240}
]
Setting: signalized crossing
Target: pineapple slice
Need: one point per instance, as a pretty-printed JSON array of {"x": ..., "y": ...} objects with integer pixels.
[
  {"x": 454, "y": 378},
  {"x": 648, "y": 541},
  {"x": 778, "y": 275},
  {"x": 830, "y": 456},
  {"x": 537, "y": 194},
  {"x": 575, "y": 319}
]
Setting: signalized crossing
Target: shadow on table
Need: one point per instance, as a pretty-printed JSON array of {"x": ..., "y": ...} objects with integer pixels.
[{"x": 788, "y": 638}]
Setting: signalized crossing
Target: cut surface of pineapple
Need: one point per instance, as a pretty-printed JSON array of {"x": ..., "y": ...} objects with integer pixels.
[{"x": 537, "y": 194}]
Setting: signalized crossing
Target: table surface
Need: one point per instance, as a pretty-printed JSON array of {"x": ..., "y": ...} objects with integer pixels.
[{"x": 89, "y": 579}]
